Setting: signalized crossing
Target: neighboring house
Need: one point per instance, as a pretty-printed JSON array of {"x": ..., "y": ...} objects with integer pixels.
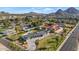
[
  {"x": 27, "y": 26},
  {"x": 33, "y": 35},
  {"x": 9, "y": 31},
  {"x": 51, "y": 26},
  {"x": 58, "y": 28},
  {"x": 55, "y": 27}
]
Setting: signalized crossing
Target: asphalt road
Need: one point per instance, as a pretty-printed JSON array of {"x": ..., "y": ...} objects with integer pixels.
[{"x": 71, "y": 41}]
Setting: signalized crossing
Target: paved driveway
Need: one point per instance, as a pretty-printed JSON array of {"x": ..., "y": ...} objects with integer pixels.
[{"x": 3, "y": 48}]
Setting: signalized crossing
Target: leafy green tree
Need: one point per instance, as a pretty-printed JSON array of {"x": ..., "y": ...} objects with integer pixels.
[{"x": 51, "y": 31}]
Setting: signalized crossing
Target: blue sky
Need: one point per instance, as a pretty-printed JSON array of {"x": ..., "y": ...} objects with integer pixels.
[{"x": 31, "y": 9}]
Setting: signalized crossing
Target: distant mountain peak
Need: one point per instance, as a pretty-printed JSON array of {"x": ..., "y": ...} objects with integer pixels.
[
  {"x": 3, "y": 12},
  {"x": 59, "y": 11},
  {"x": 32, "y": 12},
  {"x": 72, "y": 10}
]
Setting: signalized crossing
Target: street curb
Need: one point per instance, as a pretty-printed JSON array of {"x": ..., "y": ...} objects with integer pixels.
[{"x": 68, "y": 35}]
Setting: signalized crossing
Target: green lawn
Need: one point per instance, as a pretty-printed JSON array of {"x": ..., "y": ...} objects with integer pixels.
[
  {"x": 1, "y": 29},
  {"x": 14, "y": 37},
  {"x": 1, "y": 35},
  {"x": 49, "y": 43}
]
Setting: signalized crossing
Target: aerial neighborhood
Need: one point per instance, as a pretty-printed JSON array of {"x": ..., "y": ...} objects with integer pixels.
[{"x": 35, "y": 31}]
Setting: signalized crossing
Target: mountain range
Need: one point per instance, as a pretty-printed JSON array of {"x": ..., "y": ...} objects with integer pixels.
[{"x": 68, "y": 11}]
